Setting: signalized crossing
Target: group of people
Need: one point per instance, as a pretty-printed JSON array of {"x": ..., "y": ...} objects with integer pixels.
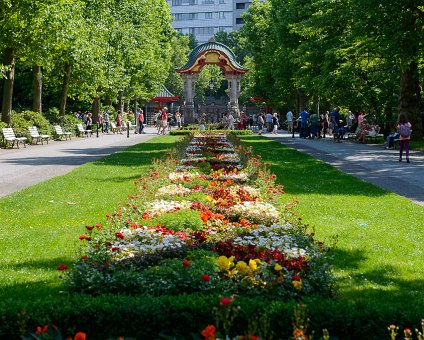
[
  {"x": 313, "y": 126},
  {"x": 164, "y": 120}
]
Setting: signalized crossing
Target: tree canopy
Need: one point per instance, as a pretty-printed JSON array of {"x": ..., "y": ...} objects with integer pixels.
[{"x": 363, "y": 55}]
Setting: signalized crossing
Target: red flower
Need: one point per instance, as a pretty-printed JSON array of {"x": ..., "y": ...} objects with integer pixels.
[
  {"x": 186, "y": 264},
  {"x": 98, "y": 226},
  {"x": 108, "y": 244},
  {"x": 62, "y": 267},
  {"x": 225, "y": 301},
  {"x": 296, "y": 278},
  {"x": 120, "y": 235},
  {"x": 89, "y": 227},
  {"x": 209, "y": 332},
  {"x": 108, "y": 215},
  {"x": 135, "y": 207},
  {"x": 206, "y": 278},
  {"x": 42, "y": 330},
  {"x": 85, "y": 237},
  {"x": 84, "y": 257},
  {"x": 115, "y": 248},
  {"x": 80, "y": 336}
]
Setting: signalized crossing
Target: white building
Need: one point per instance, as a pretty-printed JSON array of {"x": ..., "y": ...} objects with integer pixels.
[{"x": 204, "y": 18}]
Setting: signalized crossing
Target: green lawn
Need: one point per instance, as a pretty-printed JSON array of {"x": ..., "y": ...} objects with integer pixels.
[
  {"x": 41, "y": 224},
  {"x": 378, "y": 258}
]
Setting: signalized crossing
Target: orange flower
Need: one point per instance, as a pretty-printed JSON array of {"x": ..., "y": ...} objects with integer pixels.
[
  {"x": 209, "y": 332},
  {"x": 80, "y": 336}
]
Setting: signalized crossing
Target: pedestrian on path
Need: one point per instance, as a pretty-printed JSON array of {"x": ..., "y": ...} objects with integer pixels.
[{"x": 404, "y": 128}]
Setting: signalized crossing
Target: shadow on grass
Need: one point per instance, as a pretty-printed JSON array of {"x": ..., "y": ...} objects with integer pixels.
[
  {"x": 303, "y": 174},
  {"x": 382, "y": 286},
  {"x": 42, "y": 283}
]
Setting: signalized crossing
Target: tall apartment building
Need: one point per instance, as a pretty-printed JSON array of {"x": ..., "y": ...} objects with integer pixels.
[{"x": 204, "y": 18}]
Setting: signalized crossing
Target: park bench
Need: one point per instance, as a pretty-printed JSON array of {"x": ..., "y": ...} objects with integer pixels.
[
  {"x": 83, "y": 132},
  {"x": 9, "y": 137},
  {"x": 35, "y": 135},
  {"x": 60, "y": 134},
  {"x": 113, "y": 127}
]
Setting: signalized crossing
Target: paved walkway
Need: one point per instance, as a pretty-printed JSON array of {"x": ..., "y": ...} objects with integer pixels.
[
  {"x": 369, "y": 162},
  {"x": 36, "y": 163}
]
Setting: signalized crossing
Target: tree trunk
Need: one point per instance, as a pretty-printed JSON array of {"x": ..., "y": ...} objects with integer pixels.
[
  {"x": 108, "y": 101},
  {"x": 95, "y": 108},
  {"x": 37, "y": 86},
  {"x": 9, "y": 60},
  {"x": 409, "y": 89},
  {"x": 65, "y": 88},
  {"x": 121, "y": 101}
]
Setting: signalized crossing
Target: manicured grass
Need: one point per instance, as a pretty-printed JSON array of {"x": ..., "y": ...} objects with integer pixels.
[
  {"x": 41, "y": 224},
  {"x": 378, "y": 257}
]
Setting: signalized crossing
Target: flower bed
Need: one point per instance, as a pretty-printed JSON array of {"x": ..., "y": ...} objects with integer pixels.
[{"x": 208, "y": 227}]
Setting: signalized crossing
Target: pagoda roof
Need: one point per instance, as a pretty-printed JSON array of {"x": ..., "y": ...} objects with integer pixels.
[
  {"x": 164, "y": 95},
  {"x": 204, "y": 49}
]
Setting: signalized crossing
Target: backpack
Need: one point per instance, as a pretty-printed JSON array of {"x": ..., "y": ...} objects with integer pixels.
[{"x": 405, "y": 130}]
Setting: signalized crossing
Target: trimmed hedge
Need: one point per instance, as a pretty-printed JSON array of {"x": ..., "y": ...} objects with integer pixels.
[{"x": 183, "y": 317}]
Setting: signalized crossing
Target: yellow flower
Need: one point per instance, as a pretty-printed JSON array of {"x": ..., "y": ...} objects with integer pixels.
[
  {"x": 278, "y": 268},
  {"x": 209, "y": 198},
  {"x": 253, "y": 264},
  {"x": 225, "y": 263},
  {"x": 297, "y": 285},
  {"x": 242, "y": 267}
]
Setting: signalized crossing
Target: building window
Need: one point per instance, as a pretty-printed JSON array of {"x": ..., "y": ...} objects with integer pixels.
[
  {"x": 208, "y": 2},
  {"x": 222, "y": 1},
  {"x": 202, "y": 30},
  {"x": 240, "y": 6},
  {"x": 224, "y": 15},
  {"x": 185, "y": 16},
  {"x": 239, "y": 21},
  {"x": 208, "y": 15},
  {"x": 183, "y": 2}
]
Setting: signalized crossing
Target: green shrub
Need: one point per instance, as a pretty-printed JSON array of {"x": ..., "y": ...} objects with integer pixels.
[
  {"x": 21, "y": 120},
  {"x": 179, "y": 220}
]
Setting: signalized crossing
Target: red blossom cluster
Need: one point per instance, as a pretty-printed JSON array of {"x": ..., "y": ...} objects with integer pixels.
[{"x": 250, "y": 252}]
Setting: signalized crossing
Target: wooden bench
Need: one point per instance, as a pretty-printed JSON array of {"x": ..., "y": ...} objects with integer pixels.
[
  {"x": 60, "y": 134},
  {"x": 83, "y": 132},
  {"x": 9, "y": 137},
  {"x": 35, "y": 136}
]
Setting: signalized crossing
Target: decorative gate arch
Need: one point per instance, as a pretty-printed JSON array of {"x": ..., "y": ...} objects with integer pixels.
[{"x": 211, "y": 53}]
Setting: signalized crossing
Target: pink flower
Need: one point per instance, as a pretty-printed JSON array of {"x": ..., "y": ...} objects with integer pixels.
[{"x": 62, "y": 267}]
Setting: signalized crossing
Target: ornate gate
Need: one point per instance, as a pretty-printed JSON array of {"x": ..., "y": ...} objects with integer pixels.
[{"x": 211, "y": 53}]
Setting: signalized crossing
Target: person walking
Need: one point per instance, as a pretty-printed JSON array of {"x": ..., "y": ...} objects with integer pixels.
[
  {"x": 118, "y": 121},
  {"x": 261, "y": 123},
  {"x": 304, "y": 115},
  {"x": 268, "y": 121},
  {"x": 106, "y": 119},
  {"x": 275, "y": 123},
  {"x": 335, "y": 121},
  {"x": 404, "y": 128},
  {"x": 100, "y": 122},
  {"x": 140, "y": 120},
  {"x": 289, "y": 117}
]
